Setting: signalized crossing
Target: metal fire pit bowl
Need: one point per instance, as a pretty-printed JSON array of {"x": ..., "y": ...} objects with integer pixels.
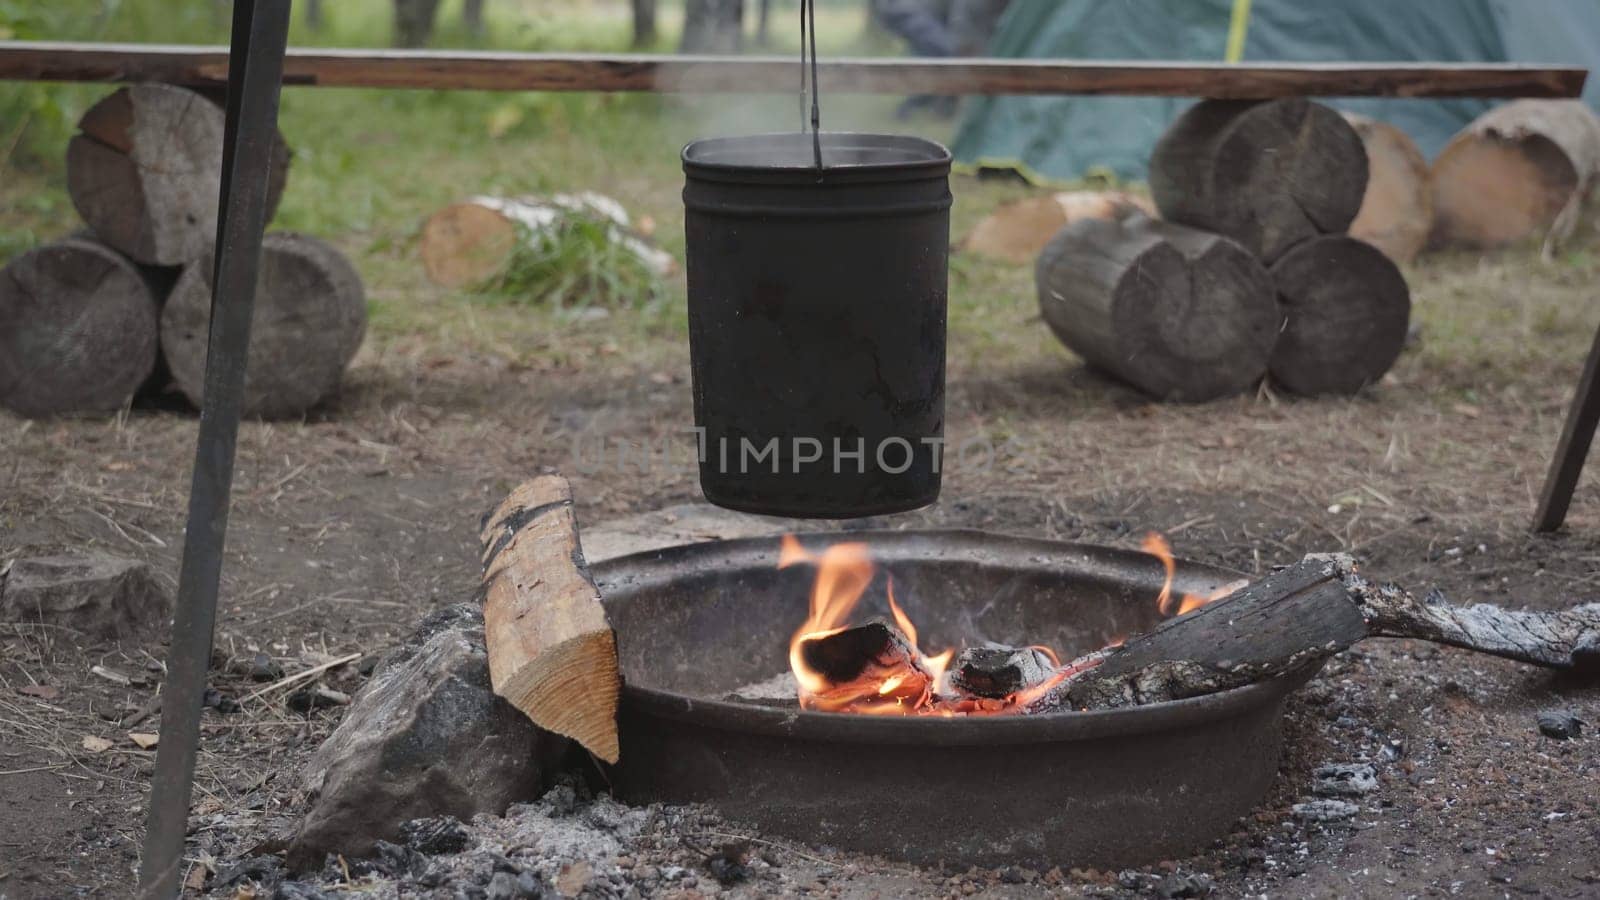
[{"x": 1107, "y": 789}]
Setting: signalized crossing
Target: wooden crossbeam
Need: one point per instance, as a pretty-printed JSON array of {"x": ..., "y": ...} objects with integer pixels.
[{"x": 199, "y": 66}]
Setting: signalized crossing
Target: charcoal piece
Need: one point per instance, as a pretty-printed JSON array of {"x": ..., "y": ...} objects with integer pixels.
[
  {"x": 1560, "y": 724},
  {"x": 262, "y": 871},
  {"x": 435, "y": 835},
  {"x": 999, "y": 672},
  {"x": 727, "y": 865}
]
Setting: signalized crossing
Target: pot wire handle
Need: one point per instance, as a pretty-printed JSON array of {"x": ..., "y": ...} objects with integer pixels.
[{"x": 809, "y": 7}]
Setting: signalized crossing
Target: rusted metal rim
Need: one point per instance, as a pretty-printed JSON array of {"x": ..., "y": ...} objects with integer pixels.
[{"x": 620, "y": 577}]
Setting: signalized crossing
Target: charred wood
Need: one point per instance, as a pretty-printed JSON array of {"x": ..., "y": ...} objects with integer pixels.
[{"x": 999, "y": 672}]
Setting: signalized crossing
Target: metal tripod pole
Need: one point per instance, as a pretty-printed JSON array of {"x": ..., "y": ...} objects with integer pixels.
[{"x": 255, "y": 71}]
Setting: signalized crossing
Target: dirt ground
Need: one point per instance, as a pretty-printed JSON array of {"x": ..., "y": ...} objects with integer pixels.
[{"x": 349, "y": 526}]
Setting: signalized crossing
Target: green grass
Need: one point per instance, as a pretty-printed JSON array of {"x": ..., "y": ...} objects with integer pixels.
[{"x": 369, "y": 166}]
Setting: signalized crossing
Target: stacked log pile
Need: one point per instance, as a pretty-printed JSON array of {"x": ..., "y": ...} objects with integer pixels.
[
  {"x": 1253, "y": 271},
  {"x": 86, "y": 321}
]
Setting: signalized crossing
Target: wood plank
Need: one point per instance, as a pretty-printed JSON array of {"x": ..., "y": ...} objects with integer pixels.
[
  {"x": 504, "y": 71},
  {"x": 1572, "y": 450}
]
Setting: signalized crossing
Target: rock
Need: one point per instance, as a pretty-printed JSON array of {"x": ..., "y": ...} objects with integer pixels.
[
  {"x": 426, "y": 736},
  {"x": 1345, "y": 780},
  {"x": 506, "y": 886},
  {"x": 1184, "y": 885},
  {"x": 264, "y": 668},
  {"x": 728, "y": 865},
  {"x": 1560, "y": 724},
  {"x": 98, "y": 594},
  {"x": 1324, "y": 810}
]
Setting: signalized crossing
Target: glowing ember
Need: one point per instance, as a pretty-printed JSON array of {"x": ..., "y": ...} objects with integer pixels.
[{"x": 868, "y": 669}]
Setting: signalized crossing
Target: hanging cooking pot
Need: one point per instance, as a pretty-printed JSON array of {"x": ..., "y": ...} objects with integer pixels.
[{"x": 817, "y": 320}]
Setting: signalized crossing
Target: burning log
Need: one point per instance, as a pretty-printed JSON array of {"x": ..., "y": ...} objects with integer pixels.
[
  {"x": 1267, "y": 174},
  {"x": 873, "y": 664},
  {"x": 999, "y": 672},
  {"x": 1178, "y": 313},
  {"x": 552, "y": 652},
  {"x": 1299, "y": 615}
]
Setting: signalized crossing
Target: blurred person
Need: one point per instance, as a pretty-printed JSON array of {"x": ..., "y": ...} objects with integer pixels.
[{"x": 939, "y": 29}]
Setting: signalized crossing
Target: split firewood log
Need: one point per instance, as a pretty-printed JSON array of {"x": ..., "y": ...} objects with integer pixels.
[
  {"x": 145, "y": 169},
  {"x": 1302, "y": 614},
  {"x": 1268, "y": 174},
  {"x": 471, "y": 243},
  {"x": 310, "y": 316},
  {"x": 78, "y": 329},
  {"x": 1179, "y": 313},
  {"x": 1522, "y": 170},
  {"x": 552, "y": 653},
  {"x": 1346, "y": 309},
  {"x": 1017, "y": 231},
  {"x": 1397, "y": 210}
]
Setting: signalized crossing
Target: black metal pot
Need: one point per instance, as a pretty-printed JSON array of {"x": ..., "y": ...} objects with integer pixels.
[{"x": 817, "y": 321}]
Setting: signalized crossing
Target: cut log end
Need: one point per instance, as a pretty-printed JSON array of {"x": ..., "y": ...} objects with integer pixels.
[
  {"x": 1017, "y": 231},
  {"x": 465, "y": 244},
  {"x": 1520, "y": 171},
  {"x": 552, "y": 653},
  {"x": 310, "y": 316},
  {"x": 1397, "y": 210},
  {"x": 1178, "y": 313},
  {"x": 582, "y": 666},
  {"x": 1267, "y": 174},
  {"x": 143, "y": 172},
  {"x": 1346, "y": 311},
  {"x": 78, "y": 330}
]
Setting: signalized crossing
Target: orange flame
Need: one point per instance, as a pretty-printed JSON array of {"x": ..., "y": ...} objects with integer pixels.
[
  {"x": 906, "y": 681},
  {"x": 1157, "y": 546}
]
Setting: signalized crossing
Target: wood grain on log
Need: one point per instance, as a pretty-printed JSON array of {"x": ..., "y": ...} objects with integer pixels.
[
  {"x": 1303, "y": 613},
  {"x": 1397, "y": 210},
  {"x": 1176, "y": 312},
  {"x": 1269, "y": 175},
  {"x": 1519, "y": 171},
  {"x": 78, "y": 329},
  {"x": 310, "y": 316},
  {"x": 144, "y": 171},
  {"x": 506, "y": 71},
  {"x": 552, "y": 653},
  {"x": 1346, "y": 310}
]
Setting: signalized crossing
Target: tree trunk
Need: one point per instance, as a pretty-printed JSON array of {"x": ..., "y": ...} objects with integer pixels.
[
  {"x": 644, "y": 23},
  {"x": 1346, "y": 309},
  {"x": 78, "y": 329},
  {"x": 552, "y": 653},
  {"x": 413, "y": 22},
  {"x": 472, "y": 18},
  {"x": 314, "y": 15},
  {"x": 764, "y": 24},
  {"x": 310, "y": 316},
  {"x": 1178, "y": 313},
  {"x": 144, "y": 170},
  {"x": 1520, "y": 171},
  {"x": 1397, "y": 210},
  {"x": 713, "y": 26},
  {"x": 1267, "y": 174}
]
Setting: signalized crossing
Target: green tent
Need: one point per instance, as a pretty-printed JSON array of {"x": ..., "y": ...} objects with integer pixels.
[{"x": 1065, "y": 138}]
